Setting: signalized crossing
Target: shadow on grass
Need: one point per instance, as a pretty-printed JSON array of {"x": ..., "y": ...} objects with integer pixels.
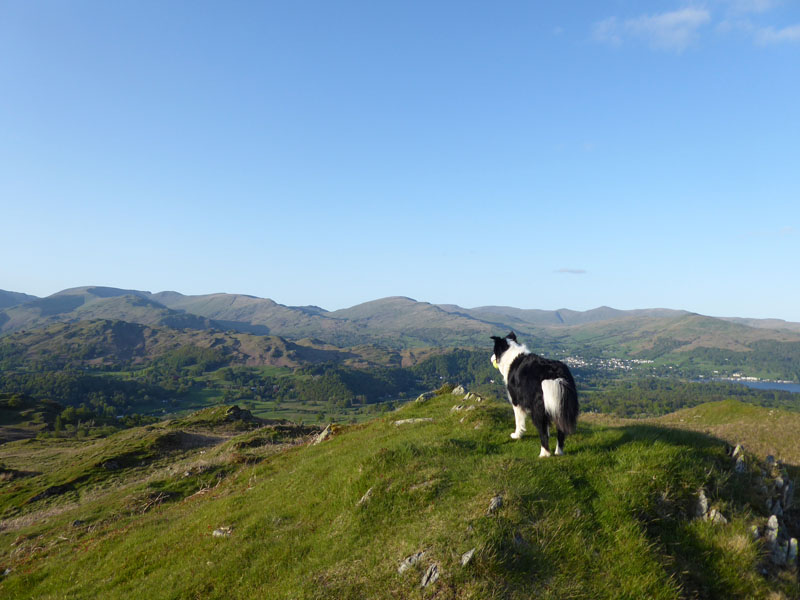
[{"x": 697, "y": 554}]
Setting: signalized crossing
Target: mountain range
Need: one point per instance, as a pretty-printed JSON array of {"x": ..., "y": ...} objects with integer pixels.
[{"x": 401, "y": 323}]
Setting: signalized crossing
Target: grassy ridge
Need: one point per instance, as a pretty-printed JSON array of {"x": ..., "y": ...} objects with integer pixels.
[{"x": 608, "y": 520}]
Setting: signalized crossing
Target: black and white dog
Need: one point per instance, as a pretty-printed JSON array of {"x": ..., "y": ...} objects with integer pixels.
[{"x": 539, "y": 387}]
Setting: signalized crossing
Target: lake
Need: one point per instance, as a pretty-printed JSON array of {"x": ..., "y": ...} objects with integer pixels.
[{"x": 767, "y": 385}]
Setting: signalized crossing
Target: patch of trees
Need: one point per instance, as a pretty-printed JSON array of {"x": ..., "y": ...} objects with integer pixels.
[
  {"x": 467, "y": 367},
  {"x": 101, "y": 394},
  {"x": 197, "y": 360}
]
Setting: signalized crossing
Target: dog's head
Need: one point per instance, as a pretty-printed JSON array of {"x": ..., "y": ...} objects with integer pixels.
[{"x": 500, "y": 347}]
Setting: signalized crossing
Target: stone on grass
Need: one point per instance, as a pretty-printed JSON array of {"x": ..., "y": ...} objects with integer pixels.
[
  {"x": 365, "y": 498},
  {"x": 716, "y": 517},
  {"x": 740, "y": 466},
  {"x": 701, "y": 505},
  {"x": 791, "y": 556},
  {"x": 410, "y": 561},
  {"x": 494, "y": 504},
  {"x": 779, "y": 553},
  {"x": 459, "y": 390},
  {"x": 431, "y": 575},
  {"x": 788, "y": 494},
  {"x": 467, "y": 556},
  {"x": 419, "y": 420},
  {"x": 323, "y": 435},
  {"x": 223, "y": 532},
  {"x": 425, "y": 397},
  {"x": 771, "y": 532}
]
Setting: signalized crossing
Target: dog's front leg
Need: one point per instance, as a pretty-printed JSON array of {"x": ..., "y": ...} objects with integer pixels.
[{"x": 519, "y": 418}]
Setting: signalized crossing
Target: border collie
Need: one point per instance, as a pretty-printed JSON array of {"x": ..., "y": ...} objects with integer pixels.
[{"x": 539, "y": 387}]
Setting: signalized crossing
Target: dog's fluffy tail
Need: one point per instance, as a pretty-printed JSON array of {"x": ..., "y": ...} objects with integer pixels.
[{"x": 561, "y": 403}]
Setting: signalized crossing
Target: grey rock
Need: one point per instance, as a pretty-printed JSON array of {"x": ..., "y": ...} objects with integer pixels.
[
  {"x": 791, "y": 555},
  {"x": 788, "y": 494},
  {"x": 223, "y": 532},
  {"x": 737, "y": 451},
  {"x": 410, "y": 561},
  {"x": 425, "y": 397},
  {"x": 754, "y": 532},
  {"x": 409, "y": 421},
  {"x": 459, "y": 390},
  {"x": 365, "y": 498},
  {"x": 779, "y": 484},
  {"x": 772, "y": 531},
  {"x": 431, "y": 575},
  {"x": 323, "y": 435},
  {"x": 494, "y": 504},
  {"x": 716, "y": 517},
  {"x": 769, "y": 505},
  {"x": 779, "y": 553},
  {"x": 777, "y": 509},
  {"x": 457, "y": 408},
  {"x": 769, "y": 461},
  {"x": 701, "y": 505},
  {"x": 740, "y": 466},
  {"x": 467, "y": 556}
]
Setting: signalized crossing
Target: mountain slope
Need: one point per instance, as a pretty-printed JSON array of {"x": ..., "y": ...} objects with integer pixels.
[
  {"x": 117, "y": 343},
  {"x": 611, "y": 519},
  {"x": 403, "y": 323},
  {"x": 9, "y": 299},
  {"x": 86, "y": 303}
]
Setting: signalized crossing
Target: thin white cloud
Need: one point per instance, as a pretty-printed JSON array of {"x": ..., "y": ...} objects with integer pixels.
[
  {"x": 770, "y": 35},
  {"x": 572, "y": 271},
  {"x": 750, "y": 6},
  {"x": 673, "y": 31}
]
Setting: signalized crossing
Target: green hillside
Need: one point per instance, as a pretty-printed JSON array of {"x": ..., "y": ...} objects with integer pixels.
[{"x": 259, "y": 515}]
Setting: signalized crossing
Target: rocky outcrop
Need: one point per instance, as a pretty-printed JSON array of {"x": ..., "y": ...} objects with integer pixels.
[{"x": 773, "y": 484}]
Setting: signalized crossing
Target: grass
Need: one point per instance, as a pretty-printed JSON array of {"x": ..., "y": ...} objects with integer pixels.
[{"x": 608, "y": 520}]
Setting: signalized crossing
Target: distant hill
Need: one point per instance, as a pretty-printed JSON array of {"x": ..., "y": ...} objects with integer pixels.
[
  {"x": 87, "y": 303},
  {"x": 9, "y": 299},
  {"x": 399, "y": 323},
  {"x": 113, "y": 343},
  {"x": 563, "y": 316}
]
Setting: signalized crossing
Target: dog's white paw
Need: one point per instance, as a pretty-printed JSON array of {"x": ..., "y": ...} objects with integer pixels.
[
  {"x": 544, "y": 453},
  {"x": 516, "y": 435}
]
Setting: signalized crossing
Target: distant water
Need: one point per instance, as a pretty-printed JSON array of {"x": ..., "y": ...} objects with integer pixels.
[{"x": 767, "y": 385}]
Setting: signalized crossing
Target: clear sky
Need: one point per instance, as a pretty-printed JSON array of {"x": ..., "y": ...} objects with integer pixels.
[{"x": 534, "y": 154}]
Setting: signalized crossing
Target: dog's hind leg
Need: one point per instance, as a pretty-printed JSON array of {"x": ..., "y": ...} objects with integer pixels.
[
  {"x": 519, "y": 418},
  {"x": 560, "y": 445},
  {"x": 544, "y": 438}
]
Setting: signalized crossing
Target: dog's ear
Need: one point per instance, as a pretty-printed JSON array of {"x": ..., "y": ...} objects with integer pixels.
[
  {"x": 512, "y": 336},
  {"x": 496, "y": 339}
]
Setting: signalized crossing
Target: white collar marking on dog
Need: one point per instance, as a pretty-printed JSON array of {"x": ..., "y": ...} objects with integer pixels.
[{"x": 508, "y": 357}]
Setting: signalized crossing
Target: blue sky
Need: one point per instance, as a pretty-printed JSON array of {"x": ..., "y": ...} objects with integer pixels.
[{"x": 533, "y": 154}]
